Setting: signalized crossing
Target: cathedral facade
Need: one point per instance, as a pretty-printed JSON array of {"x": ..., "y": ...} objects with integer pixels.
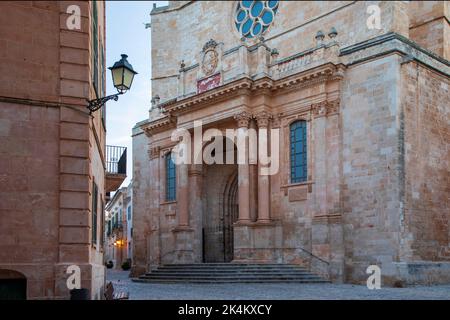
[{"x": 351, "y": 102}]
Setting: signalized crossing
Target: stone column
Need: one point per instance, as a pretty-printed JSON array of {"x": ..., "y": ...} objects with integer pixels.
[
  {"x": 184, "y": 235},
  {"x": 196, "y": 209},
  {"x": 243, "y": 120},
  {"x": 263, "y": 180},
  {"x": 253, "y": 171},
  {"x": 183, "y": 195}
]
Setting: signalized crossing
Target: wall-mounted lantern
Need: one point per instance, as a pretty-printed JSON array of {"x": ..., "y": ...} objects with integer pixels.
[{"x": 122, "y": 74}]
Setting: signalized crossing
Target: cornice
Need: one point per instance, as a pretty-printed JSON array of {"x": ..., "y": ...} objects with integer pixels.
[
  {"x": 264, "y": 85},
  {"x": 228, "y": 90},
  {"x": 389, "y": 37},
  {"x": 150, "y": 128},
  {"x": 242, "y": 86},
  {"x": 165, "y": 9}
]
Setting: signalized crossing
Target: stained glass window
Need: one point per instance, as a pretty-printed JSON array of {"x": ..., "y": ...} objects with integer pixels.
[
  {"x": 298, "y": 141},
  {"x": 253, "y": 18}
]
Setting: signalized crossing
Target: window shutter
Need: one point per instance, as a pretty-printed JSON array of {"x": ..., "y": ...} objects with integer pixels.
[
  {"x": 102, "y": 223},
  {"x": 102, "y": 81},
  {"x": 95, "y": 49},
  {"x": 94, "y": 212}
]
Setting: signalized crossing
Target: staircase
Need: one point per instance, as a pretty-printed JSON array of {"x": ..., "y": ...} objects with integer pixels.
[{"x": 230, "y": 273}]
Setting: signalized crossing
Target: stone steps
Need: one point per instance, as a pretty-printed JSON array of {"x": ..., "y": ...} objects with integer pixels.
[
  {"x": 230, "y": 273},
  {"x": 219, "y": 281},
  {"x": 224, "y": 268},
  {"x": 216, "y": 273}
]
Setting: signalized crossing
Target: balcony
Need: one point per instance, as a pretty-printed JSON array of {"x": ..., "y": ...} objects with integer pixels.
[
  {"x": 117, "y": 226},
  {"x": 116, "y": 167}
]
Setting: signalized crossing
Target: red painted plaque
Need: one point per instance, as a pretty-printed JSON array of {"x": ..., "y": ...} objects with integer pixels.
[{"x": 208, "y": 83}]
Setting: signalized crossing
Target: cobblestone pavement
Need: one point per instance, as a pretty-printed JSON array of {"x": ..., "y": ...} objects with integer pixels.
[{"x": 149, "y": 291}]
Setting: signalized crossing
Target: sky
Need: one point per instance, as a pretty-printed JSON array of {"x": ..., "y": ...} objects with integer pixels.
[{"x": 126, "y": 33}]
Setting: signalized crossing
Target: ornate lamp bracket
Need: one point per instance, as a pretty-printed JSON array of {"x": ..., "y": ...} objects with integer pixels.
[{"x": 95, "y": 104}]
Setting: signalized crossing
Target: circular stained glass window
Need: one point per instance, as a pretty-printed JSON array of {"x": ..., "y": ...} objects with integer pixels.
[{"x": 252, "y": 18}]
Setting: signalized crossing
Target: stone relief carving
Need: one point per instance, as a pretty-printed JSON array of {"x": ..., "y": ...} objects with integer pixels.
[
  {"x": 263, "y": 119},
  {"x": 243, "y": 119},
  {"x": 154, "y": 152},
  {"x": 325, "y": 108},
  {"x": 209, "y": 74},
  {"x": 319, "y": 109},
  {"x": 210, "y": 58},
  {"x": 209, "y": 63}
]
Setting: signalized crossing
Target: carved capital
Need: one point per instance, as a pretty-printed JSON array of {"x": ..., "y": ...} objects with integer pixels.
[
  {"x": 154, "y": 152},
  {"x": 243, "y": 119},
  {"x": 276, "y": 121},
  {"x": 333, "y": 107},
  {"x": 325, "y": 108},
  {"x": 263, "y": 119},
  {"x": 319, "y": 109}
]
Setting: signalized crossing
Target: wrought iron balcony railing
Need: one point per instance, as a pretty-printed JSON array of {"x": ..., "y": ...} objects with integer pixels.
[
  {"x": 117, "y": 226},
  {"x": 116, "y": 160}
]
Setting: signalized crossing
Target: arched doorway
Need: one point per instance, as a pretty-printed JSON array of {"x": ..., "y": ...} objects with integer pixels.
[
  {"x": 230, "y": 215},
  {"x": 13, "y": 285},
  {"x": 220, "y": 212},
  {"x": 220, "y": 207}
]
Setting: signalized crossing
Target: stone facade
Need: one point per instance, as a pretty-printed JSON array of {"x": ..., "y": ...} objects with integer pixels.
[
  {"x": 51, "y": 148},
  {"x": 377, "y": 127},
  {"x": 118, "y": 227}
]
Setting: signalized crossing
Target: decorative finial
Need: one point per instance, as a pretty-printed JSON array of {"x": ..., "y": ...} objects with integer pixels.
[
  {"x": 320, "y": 35},
  {"x": 155, "y": 100},
  {"x": 182, "y": 65},
  {"x": 333, "y": 33}
]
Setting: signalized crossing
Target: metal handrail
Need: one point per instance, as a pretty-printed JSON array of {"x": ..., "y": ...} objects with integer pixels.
[{"x": 116, "y": 159}]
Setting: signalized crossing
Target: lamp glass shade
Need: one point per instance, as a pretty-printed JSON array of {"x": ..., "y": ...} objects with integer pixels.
[
  {"x": 128, "y": 76},
  {"x": 117, "y": 74}
]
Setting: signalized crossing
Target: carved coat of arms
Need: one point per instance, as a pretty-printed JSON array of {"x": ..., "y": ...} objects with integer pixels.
[{"x": 210, "y": 57}]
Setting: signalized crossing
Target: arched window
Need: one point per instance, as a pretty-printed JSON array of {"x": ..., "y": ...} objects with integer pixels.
[
  {"x": 298, "y": 151},
  {"x": 171, "y": 178}
]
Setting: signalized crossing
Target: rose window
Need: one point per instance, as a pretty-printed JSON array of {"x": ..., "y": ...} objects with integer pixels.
[{"x": 253, "y": 18}]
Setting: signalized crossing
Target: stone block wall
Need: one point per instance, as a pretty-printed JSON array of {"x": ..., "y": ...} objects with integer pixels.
[
  {"x": 50, "y": 148},
  {"x": 141, "y": 214},
  {"x": 371, "y": 166},
  {"x": 214, "y": 20},
  {"x": 430, "y": 25},
  {"x": 426, "y": 230},
  {"x": 366, "y": 198}
]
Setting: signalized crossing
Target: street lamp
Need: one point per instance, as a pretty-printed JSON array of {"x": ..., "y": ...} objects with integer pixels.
[
  {"x": 119, "y": 243},
  {"x": 122, "y": 75}
]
